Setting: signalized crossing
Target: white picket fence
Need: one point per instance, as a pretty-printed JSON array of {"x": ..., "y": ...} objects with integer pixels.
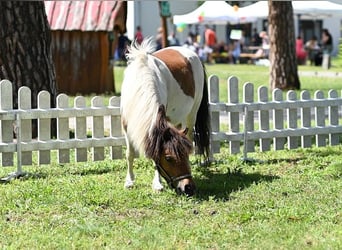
[
  {"x": 260, "y": 122},
  {"x": 252, "y": 123},
  {"x": 81, "y": 146}
]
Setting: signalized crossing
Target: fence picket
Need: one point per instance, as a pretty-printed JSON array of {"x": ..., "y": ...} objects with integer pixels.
[
  {"x": 6, "y": 126},
  {"x": 80, "y": 129},
  {"x": 98, "y": 129},
  {"x": 292, "y": 119},
  {"x": 278, "y": 119},
  {"x": 320, "y": 120},
  {"x": 306, "y": 120},
  {"x": 44, "y": 126},
  {"x": 115, "y": 127},
  {"x": 234, "y": 116},
  {"x": 63, "y": 128},
  {"x": 333, "y": 118},
  {"x": 24, "y": 103},
  {"x": 264, "y": 118},
  {"x": 248, "y": 95}
]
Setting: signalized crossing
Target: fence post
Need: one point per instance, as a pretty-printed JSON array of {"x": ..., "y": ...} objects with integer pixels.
[
  {"x": 264, "y": 118},
  {"x": 320, "y": 120},
  {"x": 278, "y": 119},
  {"x": 115, "y": 128},
  {"x": 80, "y": 129},
  {"x": 24, "y": 103},
  {"x": 292, "y": 119},
  {"x": 213, "y": 85},
  {"x": 306, "y": 120},
  {"x": 6, "y": 126},
  {"x": 333, "y": 118},
  {"x": 98, "y": 129},
  {"x": 248, "y": 95},
  {"x": 44, "y": 126},
  {"x": 234, "y": 117},
  {"x": 63, "y": 128}
]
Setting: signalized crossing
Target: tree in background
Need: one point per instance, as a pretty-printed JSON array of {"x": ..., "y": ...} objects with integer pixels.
[
  {"x": 25, "y": 54},
  {"x": 283, "y": 61}
]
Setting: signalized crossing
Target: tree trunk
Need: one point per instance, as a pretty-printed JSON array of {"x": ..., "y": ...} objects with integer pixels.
[
  {"x": 25, "y": 53},
  {"x": 283, "y": 62}
]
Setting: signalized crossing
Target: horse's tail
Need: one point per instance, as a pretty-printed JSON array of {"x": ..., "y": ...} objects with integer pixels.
[
  {"x": 202, "y": 125},
  {"x": 135, "y": 50}
]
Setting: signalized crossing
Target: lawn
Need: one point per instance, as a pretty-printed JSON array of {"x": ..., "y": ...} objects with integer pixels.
[{"x": 282, "y": 200}]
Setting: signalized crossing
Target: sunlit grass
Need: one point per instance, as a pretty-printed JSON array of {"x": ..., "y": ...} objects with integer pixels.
[{"x": 281, "y": 200}]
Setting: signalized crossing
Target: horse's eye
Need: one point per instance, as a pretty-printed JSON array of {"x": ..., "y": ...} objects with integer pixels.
[{"x": 169, "y": 158}]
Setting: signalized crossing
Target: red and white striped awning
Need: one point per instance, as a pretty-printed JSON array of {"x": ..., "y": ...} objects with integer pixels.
[{"x": 86, "y": 15}]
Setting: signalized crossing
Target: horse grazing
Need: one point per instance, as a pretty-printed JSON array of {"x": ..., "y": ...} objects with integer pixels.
[{"x": 164, "y": 108}]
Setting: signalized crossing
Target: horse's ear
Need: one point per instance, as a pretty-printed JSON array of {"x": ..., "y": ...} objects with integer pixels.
[
  {"x": 161, "y": 111},
  {"x": 167, "y": 135},
  {"x": 185, "y": 131},
  {"x": 161, "y": 122}
]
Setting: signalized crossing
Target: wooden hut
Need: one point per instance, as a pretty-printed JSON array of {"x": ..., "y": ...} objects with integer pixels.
[{"x": 83, "y": 42}]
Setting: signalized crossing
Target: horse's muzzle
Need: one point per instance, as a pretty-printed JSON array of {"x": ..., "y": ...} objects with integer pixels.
[{"x": 186, "y": 187}]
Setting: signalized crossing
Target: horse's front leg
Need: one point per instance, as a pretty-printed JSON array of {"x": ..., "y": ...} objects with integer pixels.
[
  {"x": 129, "y": 158},
  {"x": 156, "y": 183}
]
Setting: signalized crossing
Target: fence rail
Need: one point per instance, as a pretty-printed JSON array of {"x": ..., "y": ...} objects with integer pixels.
[
  {"x": 255, "y": 122},
  {"x": 16, "y": 128},
  {"x": 280, "y": 122}
]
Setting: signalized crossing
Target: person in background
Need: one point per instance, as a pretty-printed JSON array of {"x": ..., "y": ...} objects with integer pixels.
[
  {"x": 235, "y": 51},
  {"x": 138, "y": 35},
  {"x": 173, "y": 40},
  {"x": 300, "y": 51},
  {"x": 327, "y": 47},
  {"x": 120, "y": 53},
  {"x": 210, "y": 37},
  {"x": 210, "y": 41},
  {"x": 159, "y": 38},
  {"x": 265, "y": 43},
  {"x": 191, "y": 42},
  {"x": 256, "y": 39},
  {"x": 312, "y": 48}
]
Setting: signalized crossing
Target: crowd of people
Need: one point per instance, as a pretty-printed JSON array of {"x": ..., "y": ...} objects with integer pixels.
[
  {"x": 210, "y": 50},
  {"x": 314, "y": 51}
]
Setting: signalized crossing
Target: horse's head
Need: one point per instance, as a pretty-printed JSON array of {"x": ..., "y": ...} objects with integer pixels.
[{"x": 170, "y": 149}]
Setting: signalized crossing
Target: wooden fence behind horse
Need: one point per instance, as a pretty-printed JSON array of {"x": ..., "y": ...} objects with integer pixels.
[{"x": 94, "y": 133}]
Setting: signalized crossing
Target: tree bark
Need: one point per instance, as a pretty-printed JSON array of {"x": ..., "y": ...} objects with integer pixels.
[
  {"x": 25, "y": 52},
  {"x": 283, "y": 62}
]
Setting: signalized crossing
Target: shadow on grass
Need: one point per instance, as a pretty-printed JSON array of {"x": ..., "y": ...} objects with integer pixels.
[
  {"x": 86, "y": 171},
  {"x": 220, "y": 186},
  {"x": 213, "y": 184}
]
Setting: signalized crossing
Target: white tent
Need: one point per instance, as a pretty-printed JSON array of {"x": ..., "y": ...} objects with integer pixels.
[
  {"x": 306, "y": 9},
  {"x": 316, "y": 9},
  {"x": 214, "y": 12}
]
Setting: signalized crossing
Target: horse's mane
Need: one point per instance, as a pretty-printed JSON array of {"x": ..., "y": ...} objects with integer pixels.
[
  {"x": 164, "y": 136},
  {"x": 140, "y": 95},
  {"x": 147, "y": 46}
]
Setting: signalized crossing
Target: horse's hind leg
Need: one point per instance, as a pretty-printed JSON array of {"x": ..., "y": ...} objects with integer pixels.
[{"x": 129, "y": 157}]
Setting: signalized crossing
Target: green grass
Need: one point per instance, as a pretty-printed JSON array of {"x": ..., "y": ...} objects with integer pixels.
[
  {"x": 284, "y": 200},
  {"x": 259, "y": 76}
]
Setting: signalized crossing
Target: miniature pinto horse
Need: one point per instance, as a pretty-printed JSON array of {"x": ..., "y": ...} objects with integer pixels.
[{"x": 164, "y": 107}]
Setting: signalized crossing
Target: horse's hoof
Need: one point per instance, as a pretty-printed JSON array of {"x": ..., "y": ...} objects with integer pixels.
[
  {"x": 128, "y": 184},
  {"x": 157, "y": 187}
]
